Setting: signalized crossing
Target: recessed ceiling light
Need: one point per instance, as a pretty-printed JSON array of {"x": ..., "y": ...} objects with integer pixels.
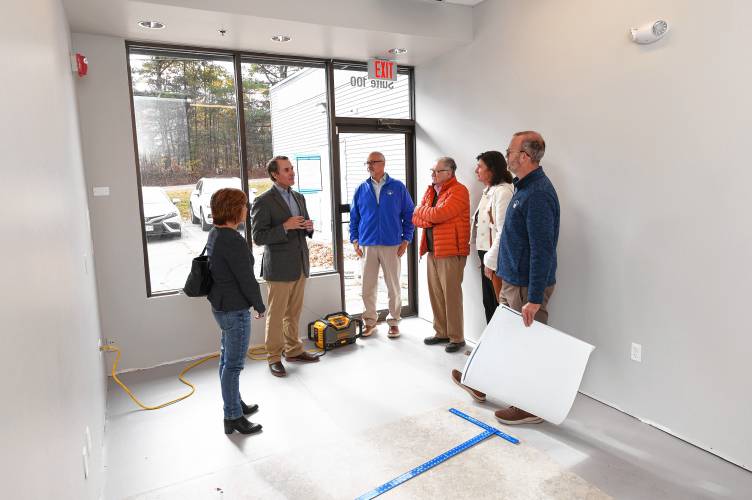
[
  {"x": 152, "y": 25},
  {"x": 397, "y": 51},
  {"x": 281, "y": 38}
]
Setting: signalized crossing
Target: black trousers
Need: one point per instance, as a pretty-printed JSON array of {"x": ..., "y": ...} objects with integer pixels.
[{"x": 489, "y": 296}]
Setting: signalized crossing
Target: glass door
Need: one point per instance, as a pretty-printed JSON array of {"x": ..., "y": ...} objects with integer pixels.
[{"x": 354, "y": 148}]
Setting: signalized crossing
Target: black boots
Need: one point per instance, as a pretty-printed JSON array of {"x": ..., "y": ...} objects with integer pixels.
[
  {"x": 248, "y": 410},
  {"x": 242, "y": 425}
]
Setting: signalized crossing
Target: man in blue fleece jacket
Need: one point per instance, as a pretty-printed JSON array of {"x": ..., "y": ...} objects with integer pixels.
[
  {"x": 527, "y": 251},
  {"x": 527, "y": 255},
  {"x": 381, "y": 227}
]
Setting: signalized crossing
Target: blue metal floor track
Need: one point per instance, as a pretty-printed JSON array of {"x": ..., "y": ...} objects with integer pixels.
[{"x": 488, "y": 432}]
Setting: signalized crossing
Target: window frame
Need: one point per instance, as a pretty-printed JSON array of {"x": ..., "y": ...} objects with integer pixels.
[{"x": 238, "y": 57}]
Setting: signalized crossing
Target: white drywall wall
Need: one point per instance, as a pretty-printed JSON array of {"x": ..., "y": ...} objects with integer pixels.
[
  {"x": 52, "y": 376},
  {"x": 646, "y": 147}
]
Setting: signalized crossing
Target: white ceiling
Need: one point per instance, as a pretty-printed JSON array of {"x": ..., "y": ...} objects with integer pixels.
[
  {"x": 457, "y": 2},
  {"x": 343, "y": 29},
  {"x": 461, "y": 2}
]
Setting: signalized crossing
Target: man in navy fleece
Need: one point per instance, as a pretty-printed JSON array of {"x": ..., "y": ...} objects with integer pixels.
[
  {"x": 527, "y": 251},
  {"x": 527, "y": 255}
]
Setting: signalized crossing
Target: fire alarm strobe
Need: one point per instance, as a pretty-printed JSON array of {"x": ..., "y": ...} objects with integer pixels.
[{"x": 79, "y": 64}]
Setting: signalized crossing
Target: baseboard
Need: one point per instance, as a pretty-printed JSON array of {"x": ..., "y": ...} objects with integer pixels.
[
  {"x": 166, "y": 363},
  {"x": 668, "y": 431}
]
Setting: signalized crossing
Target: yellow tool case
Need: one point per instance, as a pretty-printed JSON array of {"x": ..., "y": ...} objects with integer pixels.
[{"x": 335, "y": 330}]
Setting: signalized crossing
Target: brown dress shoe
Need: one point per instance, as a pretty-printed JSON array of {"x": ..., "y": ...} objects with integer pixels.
[
  {"x": 477, "y": 395},
  {"x": 278, "y": 369},
  {"x": 304, "y": 357},
  {"x": 369, "y": 330},
  {"x": 515, "y": 416},
  {"x": 393, "y": 332}
]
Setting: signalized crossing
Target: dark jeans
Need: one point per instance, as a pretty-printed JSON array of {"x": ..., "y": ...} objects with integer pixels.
[
  {"x": 236, "y": 333},
  {"x": 489, "y": 296}
]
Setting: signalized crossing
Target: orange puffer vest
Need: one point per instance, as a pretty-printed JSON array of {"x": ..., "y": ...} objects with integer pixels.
[{"x": 450, "y": 220}]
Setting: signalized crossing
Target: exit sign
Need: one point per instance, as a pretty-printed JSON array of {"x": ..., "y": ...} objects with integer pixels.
[{"x": 381, "y": 69}]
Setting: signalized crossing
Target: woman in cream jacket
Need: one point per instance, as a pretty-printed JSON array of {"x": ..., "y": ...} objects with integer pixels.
[{"x": 488, "y": 221}]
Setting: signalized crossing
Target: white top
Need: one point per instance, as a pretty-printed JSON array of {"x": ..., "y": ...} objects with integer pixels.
[
  {"x": 378, "y": 185},
  {"x": 488, "y": 220}
]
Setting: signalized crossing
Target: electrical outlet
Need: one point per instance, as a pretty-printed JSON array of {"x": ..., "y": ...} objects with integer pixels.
[
  {"x": 637, "y": 352},
  {"x": 103, "y": 342}
]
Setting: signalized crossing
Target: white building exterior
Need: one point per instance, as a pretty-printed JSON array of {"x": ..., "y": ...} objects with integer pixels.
[{"x": 300, "y": 131}]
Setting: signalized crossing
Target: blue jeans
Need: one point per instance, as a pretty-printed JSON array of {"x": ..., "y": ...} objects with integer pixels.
[{"x": 236, "y": 333}]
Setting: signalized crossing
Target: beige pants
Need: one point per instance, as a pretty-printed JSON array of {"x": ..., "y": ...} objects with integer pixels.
[
  {"x": 284, "y": 304},
  {"x": 384, "y": 257},
  {"x": 445, "y": 290},
  {"x": 515, "y": 297}
]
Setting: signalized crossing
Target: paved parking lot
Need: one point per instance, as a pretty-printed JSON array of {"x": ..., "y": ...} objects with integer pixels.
[
  {"x": 170, "y": 259},
  {"x": 170, "y": 263}
]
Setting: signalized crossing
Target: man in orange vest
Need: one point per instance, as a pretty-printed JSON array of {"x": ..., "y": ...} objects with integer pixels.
[{"x": 444, "y": 215}]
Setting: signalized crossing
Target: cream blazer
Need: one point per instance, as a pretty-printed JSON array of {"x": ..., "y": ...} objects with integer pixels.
[{"x": 488, "y": 221}]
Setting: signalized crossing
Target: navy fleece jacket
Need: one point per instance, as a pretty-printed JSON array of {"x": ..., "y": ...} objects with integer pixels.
[{"x": 527, "y": 253}]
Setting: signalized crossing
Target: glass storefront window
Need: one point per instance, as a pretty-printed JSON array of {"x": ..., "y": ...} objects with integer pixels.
[
  {"x": 188, "y": 143},
  {"x": 186, "y": 131},
  {"x": 286, "y": 114},
  {"x": 357, "y": 96}
]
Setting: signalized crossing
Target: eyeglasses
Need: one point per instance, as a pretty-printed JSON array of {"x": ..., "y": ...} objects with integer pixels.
[
  {"x": 372, "y": 162},
  {"x": 510, "y": 152},
  {"x": 437, "y": 172}
]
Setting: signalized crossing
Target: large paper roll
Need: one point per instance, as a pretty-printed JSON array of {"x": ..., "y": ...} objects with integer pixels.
[{"x": 537, "y": 368}]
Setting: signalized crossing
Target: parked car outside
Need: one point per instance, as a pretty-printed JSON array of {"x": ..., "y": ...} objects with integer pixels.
[
  {"x": 161, "y": 216},
  {"x": 199, "y": 205}
]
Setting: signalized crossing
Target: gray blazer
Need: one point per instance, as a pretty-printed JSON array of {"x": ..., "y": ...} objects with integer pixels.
[{"x": 285, "y": 254}]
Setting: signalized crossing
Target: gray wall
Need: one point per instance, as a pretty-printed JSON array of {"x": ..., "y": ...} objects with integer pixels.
[
  {"x": 646, "y": 149},
  {"x": 157, "y": 330},
  {"x": 52, "y": 377}
]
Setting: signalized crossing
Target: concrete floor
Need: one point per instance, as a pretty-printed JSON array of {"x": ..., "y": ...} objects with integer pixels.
[{"x": 358, "y": 390}]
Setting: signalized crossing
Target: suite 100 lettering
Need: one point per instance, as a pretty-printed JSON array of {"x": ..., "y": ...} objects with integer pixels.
[{"x": 362, "y": 81}]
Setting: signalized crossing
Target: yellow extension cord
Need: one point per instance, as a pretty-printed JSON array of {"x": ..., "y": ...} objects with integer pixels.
[{"x": 256, "y": 353}]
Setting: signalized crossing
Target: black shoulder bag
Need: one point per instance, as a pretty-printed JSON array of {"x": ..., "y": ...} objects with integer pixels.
[{"x": 199, "y": 281}]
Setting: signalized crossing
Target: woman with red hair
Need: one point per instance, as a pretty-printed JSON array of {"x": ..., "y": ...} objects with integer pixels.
[{"x": 234, "y": 291}]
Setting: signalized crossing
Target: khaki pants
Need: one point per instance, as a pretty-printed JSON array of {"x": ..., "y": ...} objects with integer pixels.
[
  {"x": 445, "y": 290},
  {"x": 284, "y": 304},
  {"x": 515, "y": 297},
  {"x": 384, "y": 257}
]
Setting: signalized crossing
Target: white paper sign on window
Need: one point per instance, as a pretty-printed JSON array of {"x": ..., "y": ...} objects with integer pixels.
[{"x": 309, "y": 174}]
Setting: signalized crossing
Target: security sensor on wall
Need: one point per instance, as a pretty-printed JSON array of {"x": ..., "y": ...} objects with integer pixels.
[{"x": 649, "y": 33}]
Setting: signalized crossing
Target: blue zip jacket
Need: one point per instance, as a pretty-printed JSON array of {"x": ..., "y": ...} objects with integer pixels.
[
  {"x": 527, "y": 251},
  {"x": 386, "y": 222}
]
